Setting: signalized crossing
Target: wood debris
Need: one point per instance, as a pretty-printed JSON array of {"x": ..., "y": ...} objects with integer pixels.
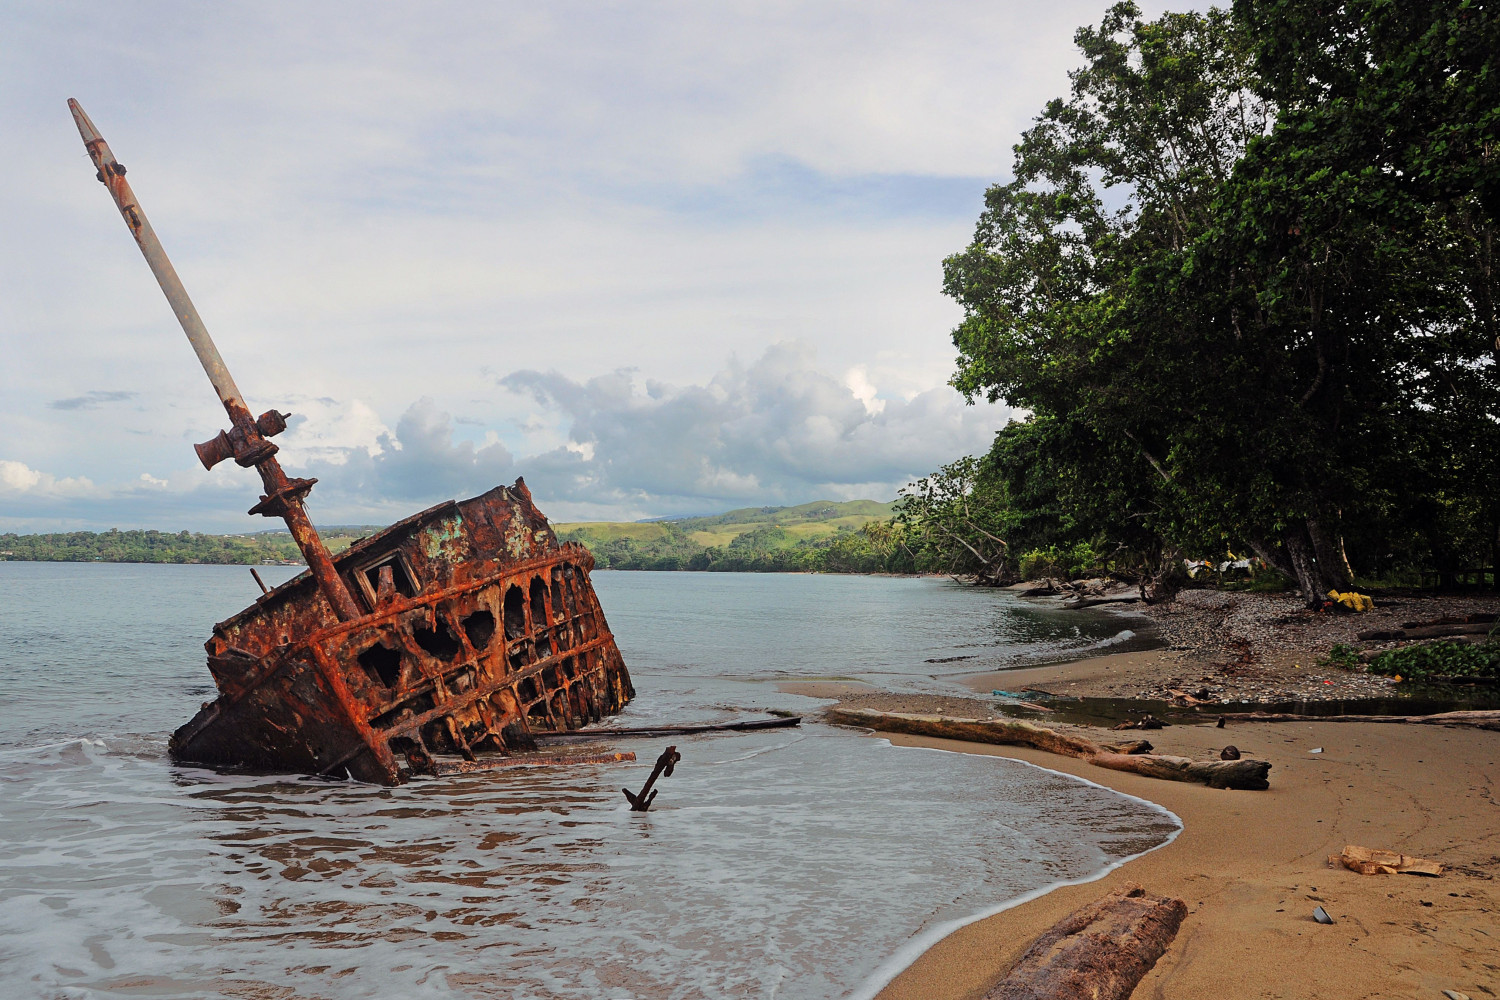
[
  {"x": 1243, "y": 774},
  {"x": 1374, "y": 861},
  {"x": 1097, "y": 952}
]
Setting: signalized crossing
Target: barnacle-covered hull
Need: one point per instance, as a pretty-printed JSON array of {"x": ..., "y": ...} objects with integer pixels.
[{"x": 479, "y": 629}]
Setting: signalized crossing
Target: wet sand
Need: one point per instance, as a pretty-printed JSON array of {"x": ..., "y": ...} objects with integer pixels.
[{"x": 1253, "y": 865}]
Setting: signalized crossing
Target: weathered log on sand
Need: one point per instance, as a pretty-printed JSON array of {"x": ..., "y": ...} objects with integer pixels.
[
  {"x": 1097, "y": 952},
  {"x": 1476, "y": 720},
  {"x": 1009, "y": 732},
  {"x": 1244, "y": 774}
]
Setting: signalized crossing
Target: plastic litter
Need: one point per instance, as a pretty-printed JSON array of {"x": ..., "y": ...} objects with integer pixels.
[{"x": 1321, "y": 916}]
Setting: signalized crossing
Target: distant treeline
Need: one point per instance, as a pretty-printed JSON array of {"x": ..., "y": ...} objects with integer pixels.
[
  {"x": 163, "y": 547},
  {"x": 874, "y": 548}
]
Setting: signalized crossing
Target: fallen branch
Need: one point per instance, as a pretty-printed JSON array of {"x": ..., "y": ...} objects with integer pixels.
[
  {"x": 1097, "y": 952},
  {"x": 1477, "y": 719},
  {"x": 573, "y": 735},
  {"x": 1427, "y": 631},
  {"x": 1244, "y": 773}
]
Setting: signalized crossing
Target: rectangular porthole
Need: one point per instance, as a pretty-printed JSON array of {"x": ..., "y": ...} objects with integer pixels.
[{"x": 368, "y": 578}]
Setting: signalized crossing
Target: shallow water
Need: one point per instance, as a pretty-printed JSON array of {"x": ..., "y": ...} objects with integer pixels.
[{"x": 787, "y": 863}]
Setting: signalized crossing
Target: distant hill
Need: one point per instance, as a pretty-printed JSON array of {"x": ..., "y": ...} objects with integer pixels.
[
  {"x": 822, "y": 535},
  {"x": 819, "y": 519}
]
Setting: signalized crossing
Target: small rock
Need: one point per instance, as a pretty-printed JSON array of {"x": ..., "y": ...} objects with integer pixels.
[{"x": 1229, "y": 753}]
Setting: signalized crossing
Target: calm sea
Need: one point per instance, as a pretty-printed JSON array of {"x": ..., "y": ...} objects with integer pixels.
[{"x": 794, "y": 863}]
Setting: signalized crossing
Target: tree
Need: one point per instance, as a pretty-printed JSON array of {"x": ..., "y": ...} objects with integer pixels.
[{"x": 1254, "y": 255}]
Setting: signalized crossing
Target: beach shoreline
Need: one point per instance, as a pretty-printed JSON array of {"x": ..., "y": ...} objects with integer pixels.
[{"x": 1252, "y": 865}]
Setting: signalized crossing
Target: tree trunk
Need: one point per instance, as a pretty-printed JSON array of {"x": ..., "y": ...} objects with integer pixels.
[
  {"x": 1333, "y": 563},
  {"x": 1098, "y": 952},
  {"x": 1304, "y": 565},
  {"x": 1272, "y": 556},
  {"x": 1245, "y": 773},
  {"x": 1164, "y": 581}
]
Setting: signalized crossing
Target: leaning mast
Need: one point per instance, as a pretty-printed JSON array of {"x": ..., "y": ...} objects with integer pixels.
[{"x": 247, "y": 440}]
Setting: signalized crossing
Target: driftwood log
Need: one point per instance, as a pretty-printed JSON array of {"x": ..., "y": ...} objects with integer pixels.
[
  {"x": 1375, "y": 861},
  {"x": 1097, "y": 952},
  {"x": 1475, "y": 720},
  {"x": 1245, "y": 773}
]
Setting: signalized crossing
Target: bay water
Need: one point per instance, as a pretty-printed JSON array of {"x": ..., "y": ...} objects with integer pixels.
[{"x": 800, "y": 863}]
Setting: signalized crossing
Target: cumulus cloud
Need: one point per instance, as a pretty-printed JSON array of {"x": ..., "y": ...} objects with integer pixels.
[
  {"x": 92, "y": 400},
  {"x": 776, "y": 430},
  {"x": 19, "y": 479},
  {"x": 420, "y": 462},
  {"x": 616, "y": 446}
]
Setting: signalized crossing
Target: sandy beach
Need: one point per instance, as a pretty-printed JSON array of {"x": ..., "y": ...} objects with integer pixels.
[{"x": 1252, "y": 865}]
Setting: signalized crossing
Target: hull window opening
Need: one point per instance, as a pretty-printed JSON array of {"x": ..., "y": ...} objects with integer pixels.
[
  {"x": 538, "y": 604},
  {"x": 439, "y": 642},
  {"x": 480, "y": 628},
  {"x": 369, "y": 578},
  {"x": 515, "y": 614},
  {"x": 383, "y": 664}
]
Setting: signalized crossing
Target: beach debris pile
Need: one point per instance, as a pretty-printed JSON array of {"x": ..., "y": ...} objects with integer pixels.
[
  {"x": 459, "y": 632},
  {"x": 1100, "y": 951},
  {"x": 1374, "y": 861},
  {"x": 641, "y": 801}
]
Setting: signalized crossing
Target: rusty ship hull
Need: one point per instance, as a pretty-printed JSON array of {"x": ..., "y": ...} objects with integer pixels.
[
  {"x": 460, "y": 631},
  {"x": 480, "y": 630}
]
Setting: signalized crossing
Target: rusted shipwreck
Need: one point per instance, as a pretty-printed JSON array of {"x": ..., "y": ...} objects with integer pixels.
[{"x": 443, "y": 643}]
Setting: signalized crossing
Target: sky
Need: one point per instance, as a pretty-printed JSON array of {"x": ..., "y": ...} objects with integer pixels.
[{"x": 658, "y": 258}]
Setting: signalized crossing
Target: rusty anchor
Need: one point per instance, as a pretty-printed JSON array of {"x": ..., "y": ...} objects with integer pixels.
[{"x": 664, "y": 764}]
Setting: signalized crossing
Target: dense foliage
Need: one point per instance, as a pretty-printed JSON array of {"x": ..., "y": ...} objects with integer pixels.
[{"x": 1244, "y": 281}]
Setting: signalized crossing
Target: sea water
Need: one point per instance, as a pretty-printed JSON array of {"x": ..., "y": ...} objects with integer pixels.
[{"x": 809, "y": 862}]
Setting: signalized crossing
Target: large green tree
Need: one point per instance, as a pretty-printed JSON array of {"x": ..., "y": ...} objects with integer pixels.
[{"x": 1211, "y": 261}]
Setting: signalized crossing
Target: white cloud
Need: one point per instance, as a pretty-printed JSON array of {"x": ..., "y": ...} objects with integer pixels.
[
  {"x": 19, "y": 478},
  {"x": 776, "y": 431}
]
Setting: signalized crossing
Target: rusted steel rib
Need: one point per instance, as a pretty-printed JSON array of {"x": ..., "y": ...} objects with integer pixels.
[{"x": 650, "y": 731}]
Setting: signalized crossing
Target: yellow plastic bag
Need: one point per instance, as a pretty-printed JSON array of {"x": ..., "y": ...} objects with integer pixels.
[{"x": 1352, "y": 601}]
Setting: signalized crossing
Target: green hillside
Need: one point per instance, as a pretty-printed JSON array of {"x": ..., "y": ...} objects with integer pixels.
[{"x": 825, "y": 535}]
